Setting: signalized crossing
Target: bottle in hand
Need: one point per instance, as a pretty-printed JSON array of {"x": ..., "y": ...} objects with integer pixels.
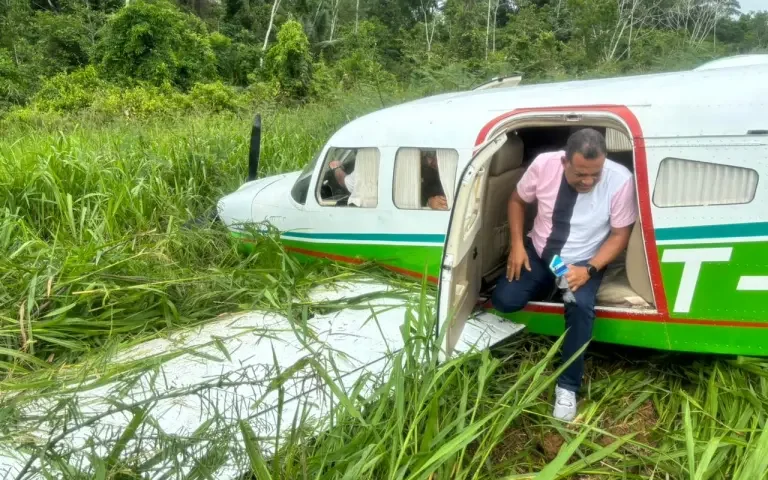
[{"x": 559, "y": 269}]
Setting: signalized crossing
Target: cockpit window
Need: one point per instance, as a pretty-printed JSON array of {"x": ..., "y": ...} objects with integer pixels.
[
  {"x": 349, "y": 177},
  {"x": 301, "y": 187}
]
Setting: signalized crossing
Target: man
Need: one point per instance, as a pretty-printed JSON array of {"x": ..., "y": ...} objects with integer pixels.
[
  {"x": 432, "y": 193},
  {"x": 586, "y": 209}
]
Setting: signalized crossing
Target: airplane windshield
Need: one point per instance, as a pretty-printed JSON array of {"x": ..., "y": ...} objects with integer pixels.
[{"x": 301, "y": 187}]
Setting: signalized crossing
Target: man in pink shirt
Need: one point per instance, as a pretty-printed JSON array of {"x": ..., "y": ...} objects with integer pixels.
[{"x": 586, "y": 209}]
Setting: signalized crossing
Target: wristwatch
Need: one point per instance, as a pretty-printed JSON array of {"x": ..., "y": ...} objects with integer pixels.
[{"x": 591, "y": 270}]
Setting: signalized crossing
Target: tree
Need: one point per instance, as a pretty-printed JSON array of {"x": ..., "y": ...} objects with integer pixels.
[
  {"x": 275, "y": 6},
  {"x": 157, "y": 43},
  {"x": 289, "y": 60}
]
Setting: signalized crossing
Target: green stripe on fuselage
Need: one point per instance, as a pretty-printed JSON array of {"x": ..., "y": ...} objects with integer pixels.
[
  {"x": 368, "y": 237},
  {"x": 705, "y": 232}
]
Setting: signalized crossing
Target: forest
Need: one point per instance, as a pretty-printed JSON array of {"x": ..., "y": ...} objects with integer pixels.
[{"x": 145, "y": 57}]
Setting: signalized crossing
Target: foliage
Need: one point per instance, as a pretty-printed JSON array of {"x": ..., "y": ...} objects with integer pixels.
[
  {"x": 289, "y": 61},
  {"x": 359, "y": 64},
  {"x": 141, "y": 101},
  {"x": 69, "y": 92},
  {"x": 235, "y": 60},
  {"x": 324, "y": 82},
  {"x": 155, "y": 42},
  {"x": 214, "y": 97},
  {"x": 376, "y": 45},
  {"x": 66, "y": 39},
  {"x": 15, "y": 86}
]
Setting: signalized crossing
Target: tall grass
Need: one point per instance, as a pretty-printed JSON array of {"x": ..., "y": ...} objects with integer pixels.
[
  {"x": 92, "y": 226},
  {"x": 95, "y": 253},
  {"x": 485, "y": 415}
]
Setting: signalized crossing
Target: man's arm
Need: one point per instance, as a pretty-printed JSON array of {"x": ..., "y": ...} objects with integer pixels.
[
  {"x": 516, "y": 217},
  {"x": 610, "y": 249},
  {"x": 340, "y": 176}
]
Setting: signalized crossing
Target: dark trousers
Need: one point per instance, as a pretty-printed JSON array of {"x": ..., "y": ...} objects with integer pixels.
[{"x": 579, "y": 316}]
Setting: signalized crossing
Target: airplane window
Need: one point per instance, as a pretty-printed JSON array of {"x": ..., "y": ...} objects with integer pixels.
[
  {"x": 424, "y": 178},
  {"x": 349, "y": 177},
  {"x": 301, "y": 186},
  {"x": 688, "y": 183}
]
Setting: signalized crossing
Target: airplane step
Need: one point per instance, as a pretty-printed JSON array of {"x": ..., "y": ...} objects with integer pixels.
[{"x": 485, "y": 329}]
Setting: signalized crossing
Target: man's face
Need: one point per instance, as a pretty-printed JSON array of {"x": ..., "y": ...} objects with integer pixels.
[
  {"x": 431, "y": 160},
  {"x": 583, "y": 174}
]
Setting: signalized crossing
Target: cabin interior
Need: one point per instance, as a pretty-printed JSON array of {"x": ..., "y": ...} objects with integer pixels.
[{"x": 626, "y": 284}]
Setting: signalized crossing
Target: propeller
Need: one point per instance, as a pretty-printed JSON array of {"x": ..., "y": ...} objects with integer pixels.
[{"x": 255, "y": 151}]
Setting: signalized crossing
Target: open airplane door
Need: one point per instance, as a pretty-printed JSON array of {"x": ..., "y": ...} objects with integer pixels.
[{"x": 460, "y": 273}]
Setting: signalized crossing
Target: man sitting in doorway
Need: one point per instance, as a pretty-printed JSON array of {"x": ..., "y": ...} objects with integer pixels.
[
  {"x": 586, "y": 209},
  {"x": 432, "y": 193}
]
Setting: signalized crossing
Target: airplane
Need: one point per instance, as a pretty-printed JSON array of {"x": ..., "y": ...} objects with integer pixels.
[{"x": 694, "y": 277}]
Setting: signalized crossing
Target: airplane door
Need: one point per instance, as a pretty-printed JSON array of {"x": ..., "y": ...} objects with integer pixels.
[{"x": 460, "y": 268}]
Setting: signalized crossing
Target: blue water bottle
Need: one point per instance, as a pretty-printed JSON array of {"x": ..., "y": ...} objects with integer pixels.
[{"x": 559, "y": 268}]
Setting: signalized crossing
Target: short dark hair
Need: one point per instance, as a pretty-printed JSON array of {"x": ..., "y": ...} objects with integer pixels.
[{"x": 588, "y": 142}]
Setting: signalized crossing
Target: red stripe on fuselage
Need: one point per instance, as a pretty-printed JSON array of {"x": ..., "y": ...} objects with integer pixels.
[{"x": 358, "y": 261}]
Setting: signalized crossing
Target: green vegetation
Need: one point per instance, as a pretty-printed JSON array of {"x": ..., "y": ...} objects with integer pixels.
[
  {"x": 122, "y": 121},
  {"x": 144, "y": 57}
]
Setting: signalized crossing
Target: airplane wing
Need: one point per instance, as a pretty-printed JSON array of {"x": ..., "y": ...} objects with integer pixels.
[{"x": 265, "y": 368}]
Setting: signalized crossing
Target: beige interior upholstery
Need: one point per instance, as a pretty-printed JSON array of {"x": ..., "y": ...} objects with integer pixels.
[
  {"x": 504, "y": 172},
  {"x": 620, "y": 288},
  {"x": 637, "y": 265}
]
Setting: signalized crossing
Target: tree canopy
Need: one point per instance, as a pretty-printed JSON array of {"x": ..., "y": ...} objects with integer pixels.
[{"x": 297, "y": 49}]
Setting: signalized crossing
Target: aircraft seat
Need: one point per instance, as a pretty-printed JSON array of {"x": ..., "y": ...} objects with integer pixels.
[
  {"x": 637, "y": 265},
  {"x": 626, "y": 282},
  {"x": 505, "y": 171}
]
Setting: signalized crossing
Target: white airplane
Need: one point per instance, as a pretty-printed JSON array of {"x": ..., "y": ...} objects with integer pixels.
[{"x": 694, "y": 277}]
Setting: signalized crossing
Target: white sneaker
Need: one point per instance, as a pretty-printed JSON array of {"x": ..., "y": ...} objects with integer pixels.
[{"x": 565, "y": 405}]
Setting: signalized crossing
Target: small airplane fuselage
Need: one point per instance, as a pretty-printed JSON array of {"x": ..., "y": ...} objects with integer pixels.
[{"x": 695, "y": 274}]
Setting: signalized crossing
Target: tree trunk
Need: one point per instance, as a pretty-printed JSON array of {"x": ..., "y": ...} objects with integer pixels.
[
  {"x": 631, "y": 28},
  {"x": 317, "y": 13},
  {"x": 495, "y": 19},
  {"x": 426, "y": 31},
  {"x": 334, "y": 17},
  {"x": 357, "y": 14},
  {"x": 487, "y": 30},
  {"x": 275, "y": 6}
]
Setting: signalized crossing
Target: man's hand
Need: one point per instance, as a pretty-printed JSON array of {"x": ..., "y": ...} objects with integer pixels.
[
  {"x": 577, "y": 277},
  {"x": 515, "y": 262},
  {"x": 438, "y": 202}
]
